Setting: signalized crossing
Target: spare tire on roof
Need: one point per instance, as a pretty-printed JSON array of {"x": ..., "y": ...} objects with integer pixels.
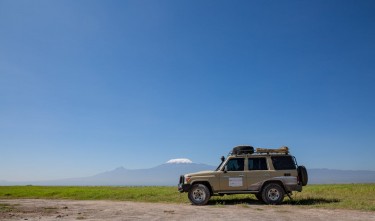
[{"x": 243, "y": 150}]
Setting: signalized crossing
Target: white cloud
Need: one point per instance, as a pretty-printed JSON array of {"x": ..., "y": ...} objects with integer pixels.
[{"x": 180, "y": 160}]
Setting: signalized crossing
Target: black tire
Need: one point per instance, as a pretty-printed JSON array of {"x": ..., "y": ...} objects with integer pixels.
[
  {"x": 302, "y": 174},
  {"x": 273, "y": 194},
  {"x": 199, "y": 194},
  {"x": 259, "y": 197}
]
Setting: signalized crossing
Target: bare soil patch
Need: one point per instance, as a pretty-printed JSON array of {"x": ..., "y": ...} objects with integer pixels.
[{"x": 40, "y": 209}]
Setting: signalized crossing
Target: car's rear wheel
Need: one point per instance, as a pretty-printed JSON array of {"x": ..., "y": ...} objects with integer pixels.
[
  {"x": 199, "y": 194},
  {"x": 273, "y": 194}
]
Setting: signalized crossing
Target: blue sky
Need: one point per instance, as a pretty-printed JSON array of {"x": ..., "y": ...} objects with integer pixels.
[{"x": 87, "y": 86}]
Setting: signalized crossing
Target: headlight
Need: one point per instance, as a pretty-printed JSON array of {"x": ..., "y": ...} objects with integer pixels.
[{"x": 187, "y": 179}]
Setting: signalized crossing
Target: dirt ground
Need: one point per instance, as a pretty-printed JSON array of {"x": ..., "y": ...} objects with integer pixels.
[{"x": 36, "y": 209}]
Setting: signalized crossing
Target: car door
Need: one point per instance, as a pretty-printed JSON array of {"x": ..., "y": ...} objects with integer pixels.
[
  {"x": 233, "y": 178},
  {"x": 257, "y": 172}
]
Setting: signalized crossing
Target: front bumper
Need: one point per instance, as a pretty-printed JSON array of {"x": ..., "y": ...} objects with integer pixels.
[{"x": 183, "y": 187}]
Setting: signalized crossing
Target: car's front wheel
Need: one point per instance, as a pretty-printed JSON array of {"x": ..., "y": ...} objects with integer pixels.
[
  {"x": 273, "y": 194},
  {"x": 199, "y": 194}
]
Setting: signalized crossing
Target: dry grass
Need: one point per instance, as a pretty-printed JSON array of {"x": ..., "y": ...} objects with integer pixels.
[{"x": 343, "y": 196}]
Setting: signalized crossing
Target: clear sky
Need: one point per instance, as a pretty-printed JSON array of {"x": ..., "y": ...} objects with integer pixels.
[{"x": 88, "y": 86}]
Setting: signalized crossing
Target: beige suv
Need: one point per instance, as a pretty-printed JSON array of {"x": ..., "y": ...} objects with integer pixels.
[{"x": 269, "y": 174}]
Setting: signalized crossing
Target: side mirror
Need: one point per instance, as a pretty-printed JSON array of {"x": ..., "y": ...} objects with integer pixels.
[
  {"x": 225, "y": 168},
  {"x": 222, "y": 158}
]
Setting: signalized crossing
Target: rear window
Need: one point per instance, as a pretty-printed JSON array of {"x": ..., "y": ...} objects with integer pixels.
[
  {"x": 257, "y": 164},
  {"x": 283, "y": 163}
]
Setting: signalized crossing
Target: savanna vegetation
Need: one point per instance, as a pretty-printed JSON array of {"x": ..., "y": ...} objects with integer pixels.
[{"x": 340, "y": 196}]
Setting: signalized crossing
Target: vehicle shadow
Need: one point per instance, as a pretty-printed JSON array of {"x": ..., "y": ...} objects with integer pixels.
[
  {"x": 308, "y": 201},
  {"x": 234, "y": 201},
  {"x": 311, "y": 201}
]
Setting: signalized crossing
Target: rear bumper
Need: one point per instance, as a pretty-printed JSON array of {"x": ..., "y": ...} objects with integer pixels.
[
  {"x": 183, "y": 187},
  {"x": 291, "y": 188}
]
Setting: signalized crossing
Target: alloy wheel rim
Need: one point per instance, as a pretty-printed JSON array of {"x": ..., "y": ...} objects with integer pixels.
[
  {"x": 273, "y": 194},
  {"x": 199, "y": 195}
]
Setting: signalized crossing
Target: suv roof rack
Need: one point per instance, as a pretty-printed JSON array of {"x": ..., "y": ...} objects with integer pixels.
[
  {"x": 245, "y": 149},
  {"x": 283, "y": 149}
]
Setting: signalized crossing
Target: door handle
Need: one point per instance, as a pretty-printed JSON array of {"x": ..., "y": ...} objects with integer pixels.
[{"x": 240, "y": 175}]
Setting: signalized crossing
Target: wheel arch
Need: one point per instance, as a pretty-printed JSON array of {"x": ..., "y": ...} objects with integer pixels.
[
  {"x": 206, "y": 183},
  {"x": 273, "y": 181}
]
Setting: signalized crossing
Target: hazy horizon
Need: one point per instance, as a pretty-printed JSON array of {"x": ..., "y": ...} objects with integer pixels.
[
  {"x": 186, "y": 161},
  {"x": 168, "y": 173}
]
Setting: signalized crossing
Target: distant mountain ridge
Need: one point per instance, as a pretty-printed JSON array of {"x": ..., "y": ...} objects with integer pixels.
[
  {"x": 168, "y": 174},
  {"x": 330, "y": 176},
  {"x": 163, "y": 175}
]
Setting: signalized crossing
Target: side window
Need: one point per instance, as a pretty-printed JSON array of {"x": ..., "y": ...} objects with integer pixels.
[
  {"x": 283, "y": 163},
  {"x": 236, "y": 164},
  {"x": 257, "y": 164}
]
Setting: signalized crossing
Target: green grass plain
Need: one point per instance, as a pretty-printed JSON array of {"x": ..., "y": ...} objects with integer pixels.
[{"x": 338, "y": 196}]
